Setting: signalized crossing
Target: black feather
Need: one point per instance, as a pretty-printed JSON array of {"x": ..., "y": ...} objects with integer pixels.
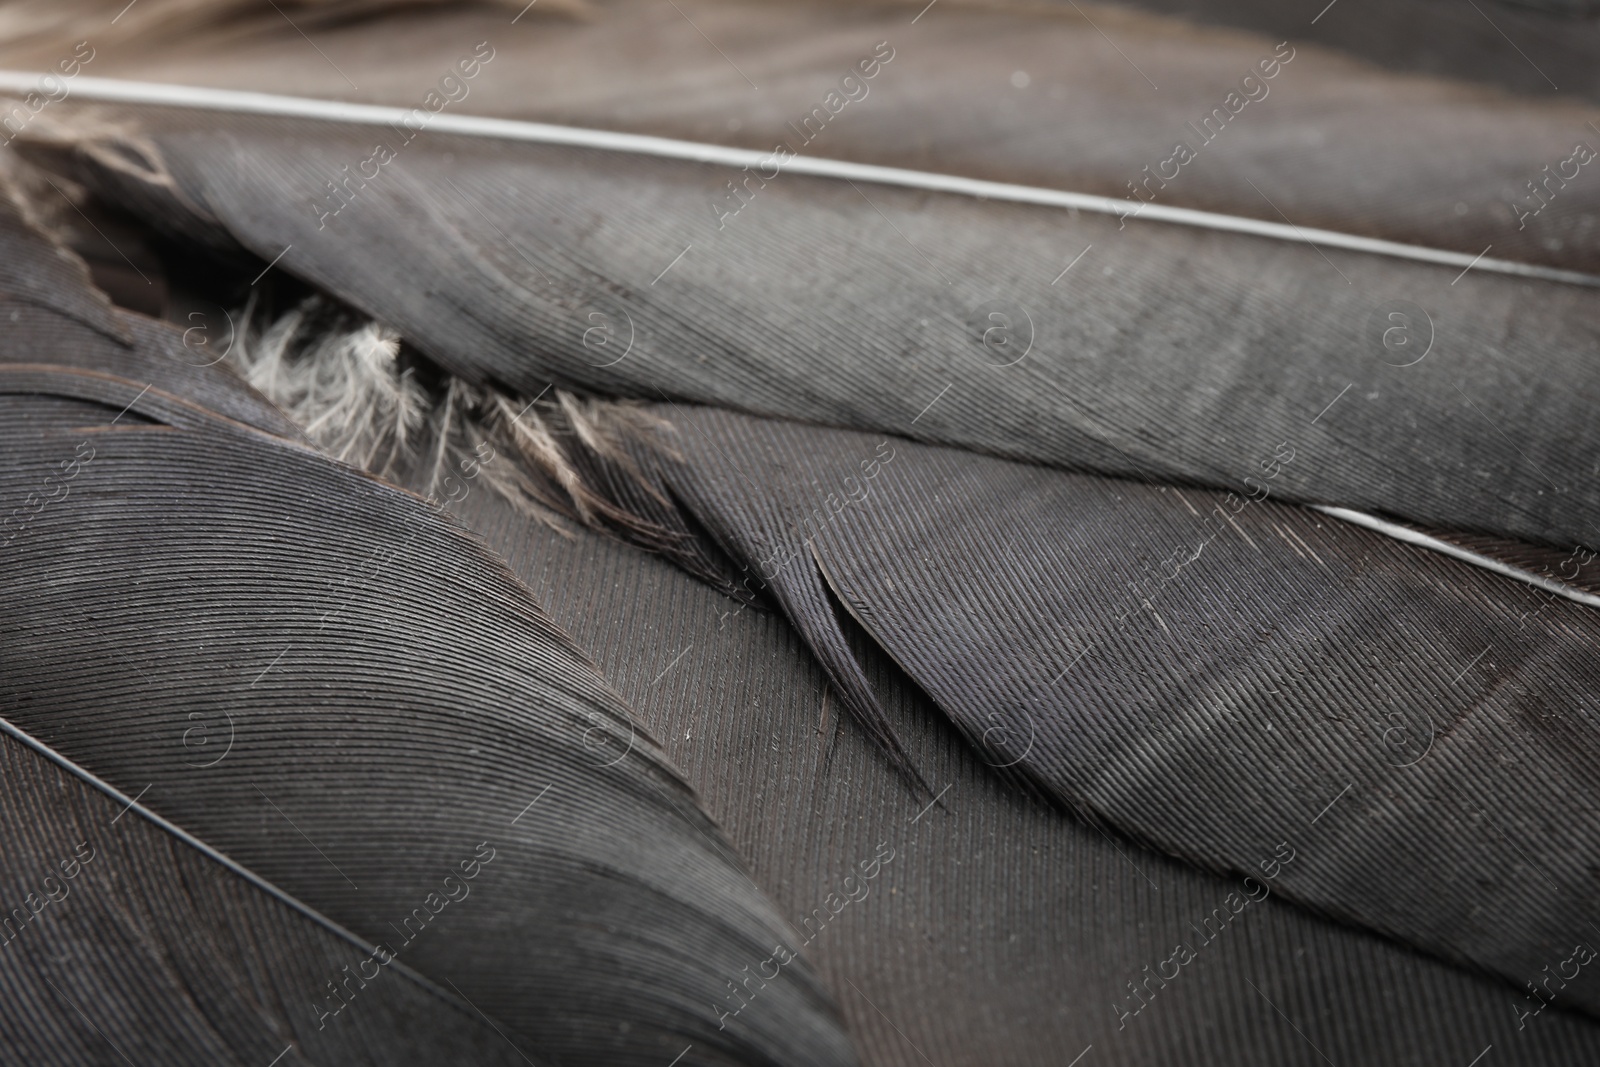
[
  {"x": 1001, "y": 932},
  {"x": 1180, "y": 355},
  {"x": 1199, "y": 669},
  {"x": 324, "y": 679}
]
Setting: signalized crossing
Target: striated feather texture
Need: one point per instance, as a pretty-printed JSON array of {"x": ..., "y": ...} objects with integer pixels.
[
  {"x": 327, "y": 683},
  {"x": 1183, "y": 355},
  {"x": 120, "y": 943},
  {"x": 1196, "y": 668},
  {"x": 1217, "y": 677},
  {"x": 1399, "y": 146},
  {"x": 1001, "y": 932},
  {"x": 1066, "y": 929}
]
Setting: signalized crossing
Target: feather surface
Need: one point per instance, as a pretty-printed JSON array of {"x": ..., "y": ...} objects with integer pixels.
[
  {"x": 1399, "y": 147},
  {"x": 1195, "y": 667},
  {"x": 1184, "y": 356},
  {"x": 1001, "y": 932},
  {"x": 973, "y": 573},
  {"x": 324, "y": 680},
  {"x": 122, "y": 943}
]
